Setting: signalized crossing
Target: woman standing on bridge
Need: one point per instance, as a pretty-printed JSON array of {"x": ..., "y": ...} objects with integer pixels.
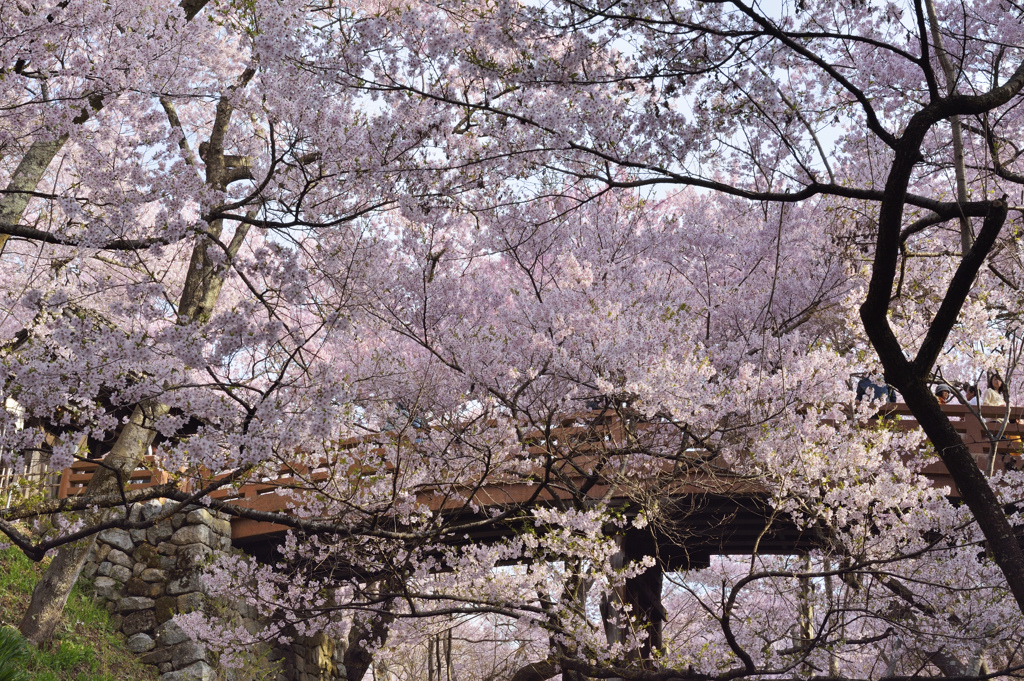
[{"x": 997, "y": 393}]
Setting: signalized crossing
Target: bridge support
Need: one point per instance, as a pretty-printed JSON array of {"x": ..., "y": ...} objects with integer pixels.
[
  {"x": 145, "y": 577},
  {"x": 642, "y": 596}
]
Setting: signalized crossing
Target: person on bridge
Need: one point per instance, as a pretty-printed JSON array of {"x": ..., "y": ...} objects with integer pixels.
[
  {"x": 943, "y": 393},
  {"x": 870, "y": 390},
  {"x": 997, "y": 394},
  {"x": 970, "y": 392}
]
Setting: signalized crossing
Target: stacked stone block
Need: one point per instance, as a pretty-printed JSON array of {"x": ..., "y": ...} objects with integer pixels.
[
  {"x": 313, "y": 658},
  {"x": 147, "y": 576}
]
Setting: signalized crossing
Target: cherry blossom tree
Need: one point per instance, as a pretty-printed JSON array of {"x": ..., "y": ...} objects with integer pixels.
[
  {"x": 502, "y": 285},
  {"x": 743, "y": 100},
  {"x": 123, "y": 250}
]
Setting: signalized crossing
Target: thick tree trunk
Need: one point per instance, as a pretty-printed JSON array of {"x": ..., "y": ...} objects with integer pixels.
[
  {"x": 910, "y": 377},
  {"x": 536, "y": 671},
  {"x": 25, "y": 180},
  {"x": 358, "y": 658},
  {"x": 51, "y": 593},
  {"x": 202, "y": 287},
  {"x": 642, "y": 594},
  {"x": 972, "y": 483}
]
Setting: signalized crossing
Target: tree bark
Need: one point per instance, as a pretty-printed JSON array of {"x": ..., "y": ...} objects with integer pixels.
[
  {"x": 357, "y": 658},
  {"x": 643, "y": 596},
  {"x": 25, "y": 180},
  {"x": 536, "y": 671},
  {"x": 910, "y": 377},
  {"x": 972, "y": 483},
  {"x": 201, "y": 289},
  {"x": 51, "y": 593}
]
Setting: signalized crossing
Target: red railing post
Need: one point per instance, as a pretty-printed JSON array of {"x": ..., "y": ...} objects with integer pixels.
[{"x": 65, "y": 483}]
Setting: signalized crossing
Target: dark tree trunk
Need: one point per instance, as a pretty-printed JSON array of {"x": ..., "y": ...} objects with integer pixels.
[
  {"x": 51, "y": 593},
  {"x": 972, "y": 483},
  {"x": 911, "y": 377},
  {"x": 643, "y": 594},
  {"x": 535, "y": 671},
  {"x": 373, "y": 631}
]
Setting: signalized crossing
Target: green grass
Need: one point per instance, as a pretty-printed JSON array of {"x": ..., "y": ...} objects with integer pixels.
[
  {"x": 86, "y": 646},
  {"x": 13, "y": 655}
]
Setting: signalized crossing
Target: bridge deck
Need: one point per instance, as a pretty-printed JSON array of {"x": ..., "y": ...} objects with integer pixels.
[{"x": 718, "y": 511}]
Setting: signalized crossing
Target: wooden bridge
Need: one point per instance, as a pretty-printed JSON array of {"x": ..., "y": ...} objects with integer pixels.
[{"x": 713, "y": 511}]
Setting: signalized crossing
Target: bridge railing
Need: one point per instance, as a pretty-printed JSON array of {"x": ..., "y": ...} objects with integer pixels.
[
  {"x": 968, "y": 425},
  {"x": 977, "y": 435},
  {"x": 75, "y": 479},
  {"x": 585, "y": 434}
]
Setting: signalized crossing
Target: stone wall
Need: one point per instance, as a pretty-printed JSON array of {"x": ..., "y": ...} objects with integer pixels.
[
  {"x": 147, "y": 576},
  {"x": 314, "y": 658}
]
